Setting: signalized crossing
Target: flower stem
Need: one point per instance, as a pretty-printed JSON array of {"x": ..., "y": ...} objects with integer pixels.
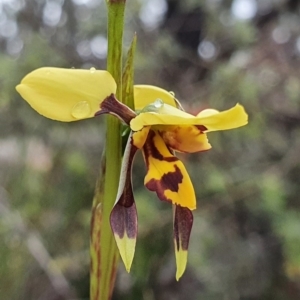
[{"x": 103, "y": 249}]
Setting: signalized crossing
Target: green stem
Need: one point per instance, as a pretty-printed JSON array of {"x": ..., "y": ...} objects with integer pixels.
[
  {"x": 116, "y": 10},
  {"x": 103, "y": 249}
]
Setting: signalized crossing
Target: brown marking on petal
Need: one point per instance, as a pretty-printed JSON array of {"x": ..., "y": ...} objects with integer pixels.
[
  {"x": 124, "y": 219},
  {"x": 110, "y": 105},
  {"x": 202, "y": 128},
  {"x": 150, "y": 150},
  {"x": 169, "y": 181},
  {"x": 183, "y": 222}
]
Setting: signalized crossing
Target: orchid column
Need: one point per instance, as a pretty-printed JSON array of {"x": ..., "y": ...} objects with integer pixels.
[{"x": 104, "y": 253}]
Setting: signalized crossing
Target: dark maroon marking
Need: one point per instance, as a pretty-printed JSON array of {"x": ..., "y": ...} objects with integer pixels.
[
  {"x": 111, "y": 105},
  {"x": 123, "y": 217},
  {"x": 183, "y": 223},
  {"x": 169, "y": 181},
  {"x": 150, "y": 150},
  {"x": 202, "y": 128}
]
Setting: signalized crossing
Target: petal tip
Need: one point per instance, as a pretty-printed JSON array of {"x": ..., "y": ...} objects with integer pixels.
[
  {"x": 183, "y": 222},
  {"x": 18, "y": 87},
  {"x": 181, "y": 261},
  {"x": 126, "y": 248},
  {"x": 123, "y": 221}
]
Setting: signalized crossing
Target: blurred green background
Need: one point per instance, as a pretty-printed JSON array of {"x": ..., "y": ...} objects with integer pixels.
[{"x": 245, "y": 243}]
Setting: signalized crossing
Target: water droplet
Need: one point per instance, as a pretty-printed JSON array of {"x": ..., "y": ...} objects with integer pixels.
[
  {"x": 172, "y": 93},
  {"x": 158, "y": 103},
  {"x": 81, "y": 110},
  {"x": 92, "y": 70},
  {"x": 48, "y": 73},
  {"x": 153, "y": 107}
]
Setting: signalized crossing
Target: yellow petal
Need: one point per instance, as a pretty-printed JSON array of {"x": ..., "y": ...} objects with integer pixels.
[
  {"x": 66, "y": 94},
  {"x": 207, "y": 112},
  {"x": 147, "y": 94},
  {"x": 228, "y": 119},
  {"x": 181, "y": 261},
  {"x": 166, "y": 114},
  {"x": 126, "y": 246},
  {"x": 187, "y": 139},
  {"x": 166, "y": 174},
  {"x": 139, "y": 137},
  {"x": 213, "y": 120}
]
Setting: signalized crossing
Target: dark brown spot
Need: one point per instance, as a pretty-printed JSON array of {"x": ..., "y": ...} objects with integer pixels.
[
  {"x": 183, "y": 222},
  {"x": 169, "y": 181},
  {"x": 124, "y": 219},
  {"x": 150, "y": 150}
]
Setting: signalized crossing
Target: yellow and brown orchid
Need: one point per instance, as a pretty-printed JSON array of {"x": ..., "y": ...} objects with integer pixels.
[{"x": 158, "y": 128}]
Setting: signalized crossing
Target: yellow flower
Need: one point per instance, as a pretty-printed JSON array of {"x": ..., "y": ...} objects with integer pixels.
[
  {"x": 177, "y": 130},
  {"x": 158, "y": 128}
]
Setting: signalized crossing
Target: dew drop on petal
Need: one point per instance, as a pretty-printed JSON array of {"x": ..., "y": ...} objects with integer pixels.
[
  {"x": 92, "y": 70},
  {"x": 48, "y": 73},
  {"x": 153, "y": 107},
  {"x": 81, "y": 110},
  {"x": 158, "y": 103}
]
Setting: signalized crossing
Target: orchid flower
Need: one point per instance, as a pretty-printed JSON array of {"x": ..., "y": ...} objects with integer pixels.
[{"x": 159, "y": 128}]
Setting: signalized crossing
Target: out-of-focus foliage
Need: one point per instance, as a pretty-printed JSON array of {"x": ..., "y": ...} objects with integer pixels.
[{"x": 245, "y": 244}]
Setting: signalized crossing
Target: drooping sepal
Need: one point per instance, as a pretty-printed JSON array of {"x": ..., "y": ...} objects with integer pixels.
[
  {"x": 166, "y": 174},
  {"x": 183, "y": 222},
  {"x": 123, "y": 218}
]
